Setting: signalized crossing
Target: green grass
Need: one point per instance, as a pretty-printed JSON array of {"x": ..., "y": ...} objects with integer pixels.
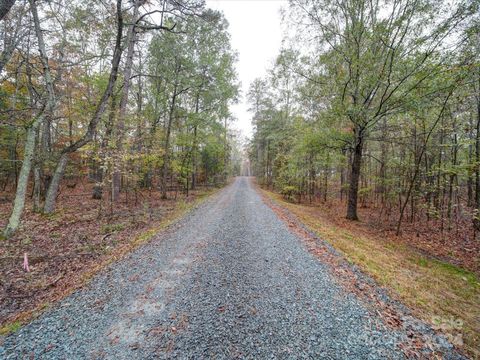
[
  {"x": 111, "y": 228},
  {"x": 10, "y": 327}
]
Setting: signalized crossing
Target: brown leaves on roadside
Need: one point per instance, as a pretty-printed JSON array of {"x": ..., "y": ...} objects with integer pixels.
[
  {"x": 415, "y": 344},
  {"x": 68, "y": 247}
]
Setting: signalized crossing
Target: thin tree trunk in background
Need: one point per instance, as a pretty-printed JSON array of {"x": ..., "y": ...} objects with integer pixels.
[
  {"x": 194, "y": 159},
  {"x": 14, "y": 156},
  {"x": 476, "y": 221},
  {"x": 44, "y": 131},
  {"x": 383, "y": 161},
  {"x": 342, "y": 177},
  {"x": 325, "y": 180},
  {"x": 139, "y": 119},
  {"x": 311, "y": 178},
  {"x": 415, "y": 156},
  {"x": 418, "y": 162},
  {"x": 225, "y": 152},
  {"x": 439, "y": 188},
  {"x": 470, "y": 199},
  {"x": 37, "y": 187},
  {"x": 127, "y": 73},
  {"x": 166, "y": 156},
  {"x": 453, "y": 174},
  {"x": 194, "y": 147},
  {"x": 99, "y": 171},
  {"x": 268, "y": 164}
]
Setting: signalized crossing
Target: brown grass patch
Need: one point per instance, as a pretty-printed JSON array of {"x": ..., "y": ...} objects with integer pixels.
[{"x": 443, "y": 295}]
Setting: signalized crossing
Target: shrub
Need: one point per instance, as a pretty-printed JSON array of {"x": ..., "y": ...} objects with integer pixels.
[{"x": 290, "y": 193}]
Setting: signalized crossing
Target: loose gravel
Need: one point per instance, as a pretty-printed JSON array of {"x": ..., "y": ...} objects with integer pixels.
[{"x": 228, "y": 281}]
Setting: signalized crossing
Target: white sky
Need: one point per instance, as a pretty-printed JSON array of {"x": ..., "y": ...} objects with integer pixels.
[{"x": 255, "y": 27}]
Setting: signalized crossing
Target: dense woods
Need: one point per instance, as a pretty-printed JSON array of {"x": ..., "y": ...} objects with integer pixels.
[
  {"x": 376, "y": 104},
  {"x": 128, "y": 96}
]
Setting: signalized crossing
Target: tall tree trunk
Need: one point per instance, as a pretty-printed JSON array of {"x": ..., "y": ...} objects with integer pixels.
[
  {"x": 127, "y": 72},
  {"x": 355, "y": 174},
  {"x": 51, "y": 198},
  {"x": 44, "y": 59},
  {"x": 19, "y": 202},
  {"x": 268, "y": 164},
  {"x": 22, "y": 185},
  {"x": 139, "y": 132},
  {"x": 44, "y": 133},
  {"x": 311, "y": 188}
]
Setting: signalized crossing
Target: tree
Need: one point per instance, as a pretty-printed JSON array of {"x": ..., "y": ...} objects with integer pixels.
[
  {"x": 73, "y": 107},
  {"x": 374, "y": 55},
  {"x": 99, "y": 111},
  {"x": 193, "y": 77},
  {"x": 19, "y": 202},
  {"x": 379, "y": 105}
]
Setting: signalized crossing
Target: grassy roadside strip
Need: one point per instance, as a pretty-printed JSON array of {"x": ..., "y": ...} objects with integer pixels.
[
  {"x": 439, "y": 293},
  {"x": 182, "y": 208}
]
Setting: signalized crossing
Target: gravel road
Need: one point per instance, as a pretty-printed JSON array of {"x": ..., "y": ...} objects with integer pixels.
[{"x": 228, "y": 281}]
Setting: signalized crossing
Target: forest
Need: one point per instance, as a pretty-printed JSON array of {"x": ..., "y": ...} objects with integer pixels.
[
  {"x": 376, "y": 110},
  {"x": 129, "y": 96}
]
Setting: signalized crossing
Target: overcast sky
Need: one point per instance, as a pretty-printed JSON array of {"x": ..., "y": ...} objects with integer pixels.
[{"x": 256, "y": 36}]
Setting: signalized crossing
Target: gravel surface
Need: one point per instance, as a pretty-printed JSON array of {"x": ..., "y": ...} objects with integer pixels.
[{"x": 228, "y": 281}]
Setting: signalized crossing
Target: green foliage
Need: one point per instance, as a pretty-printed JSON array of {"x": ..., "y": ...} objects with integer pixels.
[
  {"x": 10, "y": 328},
  {"x": 290, "y": 193},
  {"x": 412, "y": 110},
  {"x": 192, "y": 93}
]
